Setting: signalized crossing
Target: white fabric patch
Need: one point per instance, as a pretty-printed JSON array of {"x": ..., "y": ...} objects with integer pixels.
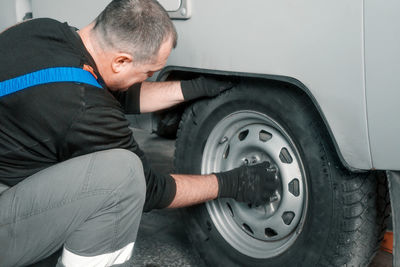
[{"x": 70, "y": 259}]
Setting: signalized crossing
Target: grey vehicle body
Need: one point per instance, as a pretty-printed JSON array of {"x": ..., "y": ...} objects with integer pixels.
[{"x": 344, "y": 54}]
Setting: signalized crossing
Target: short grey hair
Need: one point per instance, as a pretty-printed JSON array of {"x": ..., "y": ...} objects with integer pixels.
[{"x": 138, "y": 27}]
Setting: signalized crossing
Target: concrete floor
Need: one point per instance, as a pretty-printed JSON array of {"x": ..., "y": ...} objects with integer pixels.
[{"x": 162, "y": 240}]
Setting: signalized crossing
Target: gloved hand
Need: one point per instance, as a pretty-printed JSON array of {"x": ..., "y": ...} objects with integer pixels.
[
  {"x": 253, "y": 184},
  {"x": 204, "y": 87}
]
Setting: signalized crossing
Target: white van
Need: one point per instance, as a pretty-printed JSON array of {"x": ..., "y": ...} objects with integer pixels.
[{"x": 316, "y": 94}]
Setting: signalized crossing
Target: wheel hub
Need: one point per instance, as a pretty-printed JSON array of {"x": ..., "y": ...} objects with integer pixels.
[{"x": 248, "y": 138}]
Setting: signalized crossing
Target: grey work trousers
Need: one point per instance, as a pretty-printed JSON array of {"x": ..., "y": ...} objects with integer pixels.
[{"x": 90, "y": 204}]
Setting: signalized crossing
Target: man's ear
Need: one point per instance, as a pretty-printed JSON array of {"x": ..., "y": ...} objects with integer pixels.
[{"x": 121, "y": 61}]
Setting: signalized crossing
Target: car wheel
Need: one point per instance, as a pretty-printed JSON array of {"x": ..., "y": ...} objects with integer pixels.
[{"x": 323, "y": 215}]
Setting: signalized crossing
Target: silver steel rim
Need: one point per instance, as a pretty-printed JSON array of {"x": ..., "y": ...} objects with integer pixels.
[{"x": 249, "y": 137}]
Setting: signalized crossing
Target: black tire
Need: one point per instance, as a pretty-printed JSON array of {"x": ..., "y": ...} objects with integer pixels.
[
  {"x": 168, "y": 122},
  {"x": 343, "y": 218}
]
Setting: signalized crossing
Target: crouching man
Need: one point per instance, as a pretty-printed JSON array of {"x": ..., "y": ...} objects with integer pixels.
[{"x": 71, "y": 174}]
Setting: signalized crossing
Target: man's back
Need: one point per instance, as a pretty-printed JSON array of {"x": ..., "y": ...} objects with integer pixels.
[{"x": 36, "y": 121}]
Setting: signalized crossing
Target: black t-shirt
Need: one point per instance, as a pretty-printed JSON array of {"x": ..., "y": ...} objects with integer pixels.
[{"x": 46, "y": 124}]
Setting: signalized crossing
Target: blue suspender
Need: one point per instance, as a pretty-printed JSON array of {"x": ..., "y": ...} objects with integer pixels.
[{"x": 50, "y": 75}]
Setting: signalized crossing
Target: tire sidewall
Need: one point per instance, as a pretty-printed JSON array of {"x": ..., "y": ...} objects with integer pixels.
[{"x": 292, "y": 115}]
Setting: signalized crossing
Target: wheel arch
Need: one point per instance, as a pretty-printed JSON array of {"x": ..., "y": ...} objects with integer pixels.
[{"x": 174, "y": 72}]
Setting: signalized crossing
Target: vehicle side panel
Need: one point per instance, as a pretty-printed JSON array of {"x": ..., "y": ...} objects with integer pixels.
[
  {"x": 77, "y": 13},
  {"x": 382, "y": 59},
  {"x": 319, "y": 43},
  {"x": 7, "y": 14}
]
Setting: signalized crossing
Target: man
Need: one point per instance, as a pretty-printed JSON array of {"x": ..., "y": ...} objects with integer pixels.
[{"x": 72, "y": 174}]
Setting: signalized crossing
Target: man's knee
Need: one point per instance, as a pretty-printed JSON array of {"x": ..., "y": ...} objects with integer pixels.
[
  {"x": 118, "y": 173},
  {"x": 121, "y": 167}
]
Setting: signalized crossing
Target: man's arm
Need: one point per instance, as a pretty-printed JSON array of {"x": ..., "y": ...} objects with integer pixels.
[
  {"x": 194, "y": 189},
  {"x": 156, "y": 96},
  {"x": 253, "y": 184}
]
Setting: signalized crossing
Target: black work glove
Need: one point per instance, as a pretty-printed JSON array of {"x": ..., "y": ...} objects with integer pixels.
[
  {"x": 252, "y": 184},
  {"x": 204, "y": 87}
]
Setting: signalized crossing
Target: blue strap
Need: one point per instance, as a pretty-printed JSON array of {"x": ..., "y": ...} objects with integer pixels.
[{"x": 50, "y": 75}]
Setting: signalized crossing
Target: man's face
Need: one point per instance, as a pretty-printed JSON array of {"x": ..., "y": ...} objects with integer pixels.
[{"x": 125, "y": 72}]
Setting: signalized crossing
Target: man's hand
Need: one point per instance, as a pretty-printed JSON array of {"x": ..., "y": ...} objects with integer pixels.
[
  {"x": 204, "y": 87},
  {"x": 253, "y": 184}
]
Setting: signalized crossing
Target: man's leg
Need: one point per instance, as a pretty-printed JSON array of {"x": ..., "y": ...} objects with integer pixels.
[
  {"x": 90, "y": 204},
  {"x": 3, "y": 188}
]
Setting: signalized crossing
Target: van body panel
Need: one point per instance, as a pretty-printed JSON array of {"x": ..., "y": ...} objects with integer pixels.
[
  {"x": 382, "y": 61},
  {"x": 319, "y": 43}
]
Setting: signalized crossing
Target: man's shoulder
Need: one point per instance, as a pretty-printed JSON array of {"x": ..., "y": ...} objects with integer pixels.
[
  {"x": 38, "y": 24},
  {"x": 36, "y": 44},
  {"x": 41, "y": 21},
  {"x": 100, "y": 98}
]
